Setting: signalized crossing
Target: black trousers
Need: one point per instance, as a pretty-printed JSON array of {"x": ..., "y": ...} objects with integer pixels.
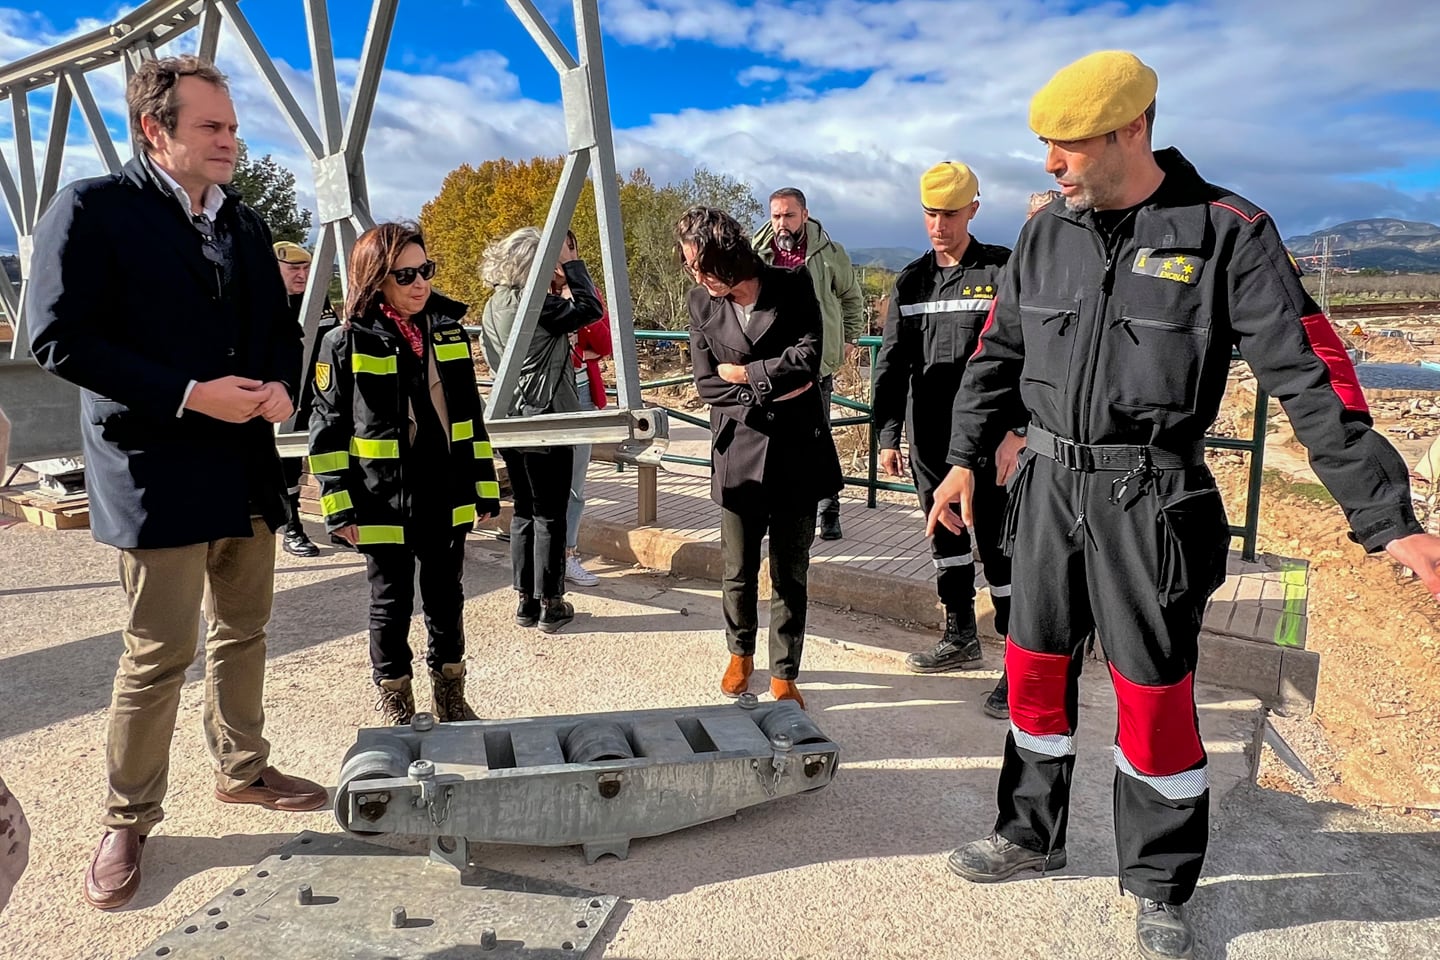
[
  {"x": 1138, "y": 571},
  {"x": 953, "y": 553},
  {"x": 439, "y": 551},
  {"x": 791, "y": 534},
  {"x": 540, "y": 481},
  {"x": 293, "y": 467},
  {"x": 828, "y": 506}
]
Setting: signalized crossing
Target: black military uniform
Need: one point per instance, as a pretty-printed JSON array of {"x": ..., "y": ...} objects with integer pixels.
[
  {"x": 295, "y": 540},
  {"x": 398, "y": 444},
  {"x": 1114, "y": 329},
  {"x": 936, "y": 314}
]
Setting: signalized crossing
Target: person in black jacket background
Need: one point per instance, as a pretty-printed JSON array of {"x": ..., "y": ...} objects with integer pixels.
[
  {"x": 398, "y": 444},
  {"x": 755, "y": 333},
  {"x": 539, "y": 476},
  {"x": 155, "y": 290}
]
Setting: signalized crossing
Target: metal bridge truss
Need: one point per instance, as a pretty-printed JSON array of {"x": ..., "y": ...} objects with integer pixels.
[{"x": 45, "y": 409}]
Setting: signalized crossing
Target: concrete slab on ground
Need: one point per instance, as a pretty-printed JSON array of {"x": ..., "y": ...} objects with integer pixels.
[{"x": 856, "y": 870}]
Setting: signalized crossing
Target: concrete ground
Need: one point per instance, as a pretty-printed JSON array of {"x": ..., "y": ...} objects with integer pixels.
[{"x": 855, "y": 870}]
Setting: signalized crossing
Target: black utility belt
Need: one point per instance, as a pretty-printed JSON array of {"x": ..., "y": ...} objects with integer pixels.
[{"x": 1118, "y": 457}]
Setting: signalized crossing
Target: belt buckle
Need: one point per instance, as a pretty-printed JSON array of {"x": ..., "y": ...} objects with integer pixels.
[{"x": 1073, "y": 456}]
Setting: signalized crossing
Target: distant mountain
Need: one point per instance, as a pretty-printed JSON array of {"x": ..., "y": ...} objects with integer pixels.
[
  {"x": 10, "y": 267},
  {"x": 891, "y": 258},
  {"x": 1380, "y": 242}
]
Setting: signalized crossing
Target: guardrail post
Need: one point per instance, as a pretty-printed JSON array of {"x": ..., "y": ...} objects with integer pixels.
[
  {"x": 1258, "y": 425},
  {"x": 870, "y": 428},
  {"x": 647, "y": 496}
]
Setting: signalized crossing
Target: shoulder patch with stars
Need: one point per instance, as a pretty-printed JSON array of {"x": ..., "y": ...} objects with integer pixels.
[{"x": 1182, "y": 268}]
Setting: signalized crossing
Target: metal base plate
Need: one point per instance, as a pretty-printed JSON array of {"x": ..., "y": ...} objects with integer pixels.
[{"x": 354, "y": 888}]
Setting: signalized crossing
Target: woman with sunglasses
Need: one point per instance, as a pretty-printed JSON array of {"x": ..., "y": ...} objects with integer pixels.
[
  {"x": 398, "y": 444},
  {"x": 539, "y": 476}
]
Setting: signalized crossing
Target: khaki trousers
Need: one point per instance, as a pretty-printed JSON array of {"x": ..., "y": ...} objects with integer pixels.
[{"x": 234, "y": 580}]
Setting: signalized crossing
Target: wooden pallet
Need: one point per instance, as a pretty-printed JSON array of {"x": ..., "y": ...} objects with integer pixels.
[{"x": 70, "y": 515}]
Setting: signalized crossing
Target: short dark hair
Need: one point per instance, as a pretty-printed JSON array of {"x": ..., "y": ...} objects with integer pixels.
[
  {"x": 722, "y": 246},
  {"x": 1112, "y": 136},
  {"x": 372, "y": 259},
  {"x": 151, "y": 92},
  {"x": 791, "y": 193}
]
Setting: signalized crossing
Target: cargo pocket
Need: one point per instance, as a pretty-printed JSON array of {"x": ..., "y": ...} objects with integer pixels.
[
  {"x": 1014, "y": 494},
  {"x": 1194, "y": 541},
  {"x": 1153, "y": 364},
  {"x": 1049, "y": 343}
]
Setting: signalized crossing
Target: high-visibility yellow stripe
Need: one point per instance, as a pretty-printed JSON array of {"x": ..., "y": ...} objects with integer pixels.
[
  {"x": 452, "y": 351},
  {"x": 488, "y": 489},
  {"x": 380, "y": 534},
  {"x": 333, "y": 503},
  {"x": 465, "y": 514},
  {"x": 483, "y": 450},
  {"x": 329, "y": 462},
  {"x": 462, "y": 430},
  {"x": 364, "y": 363},
  {"x": 375, "y": 449}
]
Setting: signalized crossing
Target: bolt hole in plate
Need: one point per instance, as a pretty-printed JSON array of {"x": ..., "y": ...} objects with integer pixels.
[{"x": 360, "y": 886}]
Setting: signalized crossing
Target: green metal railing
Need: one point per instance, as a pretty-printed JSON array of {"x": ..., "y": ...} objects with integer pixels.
[{"x": 1248, "y": 532}]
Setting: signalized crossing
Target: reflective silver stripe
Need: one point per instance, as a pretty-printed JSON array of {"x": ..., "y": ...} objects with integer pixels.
[
  {"x": 946, "y": 306},
  {"x": 1176, "y": 786},
  {"x": 1049, "y": 744},
  {"x": 968, "y": 560},
  {"x": 999, "y": 591}
]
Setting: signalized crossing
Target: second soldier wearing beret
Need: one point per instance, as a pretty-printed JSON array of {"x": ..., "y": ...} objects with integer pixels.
[{"x": 1113, "y": 327}]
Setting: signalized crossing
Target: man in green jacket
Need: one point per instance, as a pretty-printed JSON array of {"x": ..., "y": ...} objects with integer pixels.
[{"x": 792, "y": 239}]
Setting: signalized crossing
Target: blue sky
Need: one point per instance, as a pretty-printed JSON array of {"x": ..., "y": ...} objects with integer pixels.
[{"x": 1320, "y": 114}]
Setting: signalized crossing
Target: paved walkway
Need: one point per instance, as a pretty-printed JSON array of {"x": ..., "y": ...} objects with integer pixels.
[{"x": 1255, "y": 623}]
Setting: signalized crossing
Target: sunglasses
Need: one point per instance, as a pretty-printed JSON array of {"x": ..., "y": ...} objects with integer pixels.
[{"x": 406, "y": 275}]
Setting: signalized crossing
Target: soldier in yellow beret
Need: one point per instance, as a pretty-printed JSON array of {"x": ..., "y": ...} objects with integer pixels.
[
  {"x": 1113, "y": 328},
  {"x": 937, "y": 309}
]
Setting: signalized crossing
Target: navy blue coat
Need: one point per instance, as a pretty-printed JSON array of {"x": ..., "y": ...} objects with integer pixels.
[{"x": 123, "y": 302}]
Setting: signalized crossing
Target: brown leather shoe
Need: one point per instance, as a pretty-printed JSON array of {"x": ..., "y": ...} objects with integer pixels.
[
  {"x": 276, "y": 791},
  {"x": 786, "y": 690},
  {"x": 737, "y": 676},
  {"x": 114, "y": 873}
]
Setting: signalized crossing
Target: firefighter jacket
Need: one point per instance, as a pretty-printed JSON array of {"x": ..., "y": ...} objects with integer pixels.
[
  {"x": 362, "y": 429},
  {"x": 1121, "y": 332},
  {"x": 931, "y": 329},
  {"x": 842, "y": 302}
]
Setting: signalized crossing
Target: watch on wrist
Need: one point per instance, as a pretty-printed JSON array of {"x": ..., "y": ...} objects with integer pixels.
[{"x": 1021, "y": 430}]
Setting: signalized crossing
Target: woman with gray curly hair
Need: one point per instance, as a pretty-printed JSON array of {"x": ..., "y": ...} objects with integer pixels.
[{"x": 539, "y": 476}]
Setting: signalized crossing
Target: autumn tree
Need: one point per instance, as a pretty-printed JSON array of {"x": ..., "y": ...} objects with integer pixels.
[
  {"x": 269, "y": 189},
  {"x": 480, "y": 204}
]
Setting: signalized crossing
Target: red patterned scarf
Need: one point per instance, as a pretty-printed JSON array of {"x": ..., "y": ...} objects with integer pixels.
[{"x": 408, "y": 329}]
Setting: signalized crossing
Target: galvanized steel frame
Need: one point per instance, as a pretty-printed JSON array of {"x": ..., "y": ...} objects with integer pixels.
[{"x": 336, "y": 154}]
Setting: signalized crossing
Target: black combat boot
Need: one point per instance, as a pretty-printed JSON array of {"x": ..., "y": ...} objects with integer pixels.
[
  {"x": 527, "y": 613},
  {"x": 296, "y": 542},
  {"x": 1162, "y": 931},
  {"x": 995, "y": 858},
  {"x": 997, "y": 705},
  {"x": 555, "y": 613},
  {"x": 830, "y": 520},
  {"x": 957, "y": 649}
]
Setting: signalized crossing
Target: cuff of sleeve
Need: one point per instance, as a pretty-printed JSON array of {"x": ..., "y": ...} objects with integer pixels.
[
  {"x": 759, "y": 379},
  {"x": 1376, "y": 536},
  {"x": 180, "y": 411},
  {"x": 889, "y": 438},
  {"x": 967, "y": 458}
]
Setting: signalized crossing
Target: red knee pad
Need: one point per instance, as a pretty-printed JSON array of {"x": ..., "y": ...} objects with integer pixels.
[
  {"x": 1037, "y": 690},
  {"x": 1157, "y": 730}
]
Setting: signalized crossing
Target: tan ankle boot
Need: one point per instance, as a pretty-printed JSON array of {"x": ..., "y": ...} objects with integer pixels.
[
  {"x": 786, "y": 690},
  {"x": 737, "y": 676},
  {"x": 447, "y": 693},
  {"x": 396, "y": 702}
]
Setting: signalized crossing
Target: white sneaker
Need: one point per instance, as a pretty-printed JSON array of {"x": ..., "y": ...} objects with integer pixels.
[{"x": 577, "y": 574}]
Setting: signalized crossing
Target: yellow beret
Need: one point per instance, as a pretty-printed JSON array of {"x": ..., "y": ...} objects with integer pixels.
[
  {"x": 948, "y": 186},
  {"x": 288, "y": 252},
  {"x": 1093, "y": 96}
]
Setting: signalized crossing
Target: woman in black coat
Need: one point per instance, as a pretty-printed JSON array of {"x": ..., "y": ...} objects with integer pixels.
[{"x": 755, "y": 344}]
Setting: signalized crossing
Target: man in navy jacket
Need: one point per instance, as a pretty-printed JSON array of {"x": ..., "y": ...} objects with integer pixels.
[{"x": 155, "y": 290}]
